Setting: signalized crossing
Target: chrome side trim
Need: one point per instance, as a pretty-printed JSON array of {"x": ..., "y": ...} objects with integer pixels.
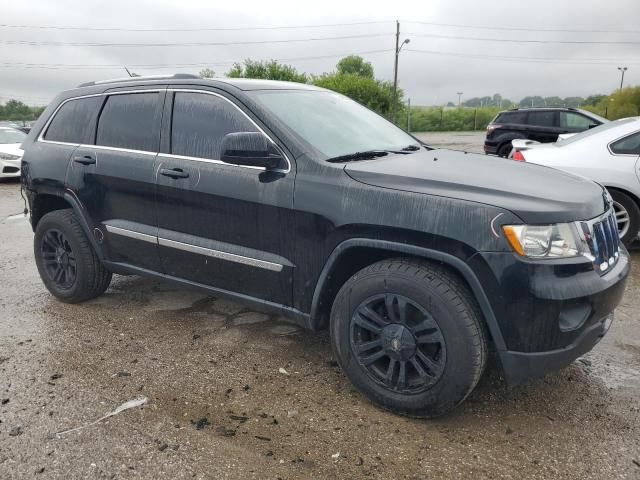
[
  {"x": 131, "y": 234},
  {"x": 253, "y": 262},
  {"x": 186, "y": 247}
]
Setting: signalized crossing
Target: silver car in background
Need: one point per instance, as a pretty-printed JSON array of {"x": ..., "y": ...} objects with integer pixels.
[
  {"x": 608, "y": 154},
  {"x": 10, "y": 151}
]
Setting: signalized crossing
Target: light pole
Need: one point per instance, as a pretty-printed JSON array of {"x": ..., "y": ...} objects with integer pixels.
[
  {"x": 622, "y": 70},
  {"x": 395, "y": 69},
  {"x": 459, "y": 98}
]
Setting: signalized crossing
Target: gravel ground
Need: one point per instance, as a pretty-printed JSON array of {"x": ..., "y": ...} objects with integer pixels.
[{"x": 232, "y": 393}]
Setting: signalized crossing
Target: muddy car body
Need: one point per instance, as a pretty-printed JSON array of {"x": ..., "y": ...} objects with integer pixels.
[{"x": 245, "y": 189}]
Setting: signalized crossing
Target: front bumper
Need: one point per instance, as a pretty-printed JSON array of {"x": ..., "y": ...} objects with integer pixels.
[
  {"x": 10, "y": 168},
  {"x": 548, "y": 312}
]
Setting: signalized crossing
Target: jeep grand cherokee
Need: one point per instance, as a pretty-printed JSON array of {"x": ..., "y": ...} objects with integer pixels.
[{"x": 299, "y": 201}]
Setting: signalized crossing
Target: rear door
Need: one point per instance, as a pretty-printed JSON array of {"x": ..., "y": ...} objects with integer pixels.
[
  {"x": 543, "y": 126},
  {"x": 113, "y": 176},
  {"x": 222, "y": 225}
]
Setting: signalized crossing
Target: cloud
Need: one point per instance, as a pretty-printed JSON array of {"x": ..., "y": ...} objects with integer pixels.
[{"x": 428, "y": 78}]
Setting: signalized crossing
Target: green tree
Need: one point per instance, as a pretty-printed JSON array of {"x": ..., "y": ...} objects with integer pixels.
[
  {"x": 354, "y": 64},
  {"x": 573, "y": 102},
  {"x": 207, "y": 73},
  {"x": 271, "y": 70}
]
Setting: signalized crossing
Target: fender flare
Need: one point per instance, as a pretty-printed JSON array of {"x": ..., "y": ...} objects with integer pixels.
[
  {"x": 71, "y": 198},
  {"x": 452, "y": 261}
]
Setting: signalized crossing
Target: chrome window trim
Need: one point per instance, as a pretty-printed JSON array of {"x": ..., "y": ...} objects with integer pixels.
[
  {"x": 187, "y": 247},
  {"x": 103, "y": 94},
  {"x": 617, "y": 140},
  {"x": 164, "y": 155},
  {"x": 207, "y": 92},
  {"x": 118, "y": 149}
]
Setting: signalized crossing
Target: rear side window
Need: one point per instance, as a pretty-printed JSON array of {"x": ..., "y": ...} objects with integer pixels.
[
  {"x": 575, "y": 120},
  {"x": 73, "y": 123},
  {"x": 519, "y": 118},
  {"x": 130, "y": 121},
  {"x": 542, "y": 119},
  {"x": 200, "y": 121},
  {"x": 627, "y": 146}
]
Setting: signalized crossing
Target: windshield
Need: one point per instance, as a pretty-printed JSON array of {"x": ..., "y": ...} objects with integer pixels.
[
  {"x": 332, "y": 123},
  {"x": 593, "y": 131},
  {"x": 8, "y": 135}
]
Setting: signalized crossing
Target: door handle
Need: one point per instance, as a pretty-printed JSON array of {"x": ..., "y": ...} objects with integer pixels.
[
  {"x": 85, "y": 159},
  {"x": 174, "y": 173}
]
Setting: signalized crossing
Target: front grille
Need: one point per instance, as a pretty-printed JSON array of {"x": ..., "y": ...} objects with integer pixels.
[{"x": 601, "y": 236}]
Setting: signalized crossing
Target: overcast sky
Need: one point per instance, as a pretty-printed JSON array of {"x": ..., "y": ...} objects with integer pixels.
[{"x": 433, "y": 76}]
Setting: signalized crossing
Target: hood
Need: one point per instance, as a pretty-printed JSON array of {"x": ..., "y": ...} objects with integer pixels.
[
  {"x": 535, "y": 193},
  {"x": 11, "y": 149}
]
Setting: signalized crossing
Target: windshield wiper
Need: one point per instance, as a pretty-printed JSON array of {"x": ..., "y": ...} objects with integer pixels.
[
  {"x": 411, "y": 148},
  {"x": 358, "y": 156}
]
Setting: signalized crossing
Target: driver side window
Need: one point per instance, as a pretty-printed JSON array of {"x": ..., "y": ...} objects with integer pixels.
[
  {"x": 200, "y": 121},
  {"x": 574, "y": 120}
]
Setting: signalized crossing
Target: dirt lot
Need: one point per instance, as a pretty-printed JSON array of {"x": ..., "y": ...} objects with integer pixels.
[{"x": 218, "y": 405}]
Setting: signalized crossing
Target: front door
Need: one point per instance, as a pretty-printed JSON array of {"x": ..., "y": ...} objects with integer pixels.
[
  {"x": 114, "y": 177},
  {"x": 221, "y": 225}
]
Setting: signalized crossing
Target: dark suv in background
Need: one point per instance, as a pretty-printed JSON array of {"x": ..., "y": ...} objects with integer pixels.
[
  {"x": 299, "y": 201},
  {"x": 540, "y": 124}
]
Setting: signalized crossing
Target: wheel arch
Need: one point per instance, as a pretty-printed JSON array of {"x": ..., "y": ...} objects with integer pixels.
[
  {"x": 45, "y": 202},
  {"x": 627, "y": 192},
  {"x": 354, "y": 254}
]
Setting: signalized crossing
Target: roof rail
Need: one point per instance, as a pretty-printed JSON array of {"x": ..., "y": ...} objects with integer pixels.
[
  {"x": 135, "y": 79},
  {"x": 542, "y": 107}
]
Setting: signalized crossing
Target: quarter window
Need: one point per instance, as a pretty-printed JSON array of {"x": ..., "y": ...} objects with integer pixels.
[
  {"x": 200, "y": 121},
  {"x": 627, "y": 146},
  {"x": 575, "y": 120},
  {"x": 130, "y": 121},
  {"x": 73, "y": 123},
  {"x": 542, "y": 119}
]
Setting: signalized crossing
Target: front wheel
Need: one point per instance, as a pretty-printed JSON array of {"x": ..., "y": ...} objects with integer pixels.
[
  {"x": 67, "y": 264},
  {"x": 409, "y": 335},
  {"x": 627, "y": 216}
]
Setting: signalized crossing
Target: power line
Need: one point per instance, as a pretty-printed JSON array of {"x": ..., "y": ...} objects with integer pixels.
[
  {"x": 189, "y": 29},
  {"x": 572, "y": 61},
  {"x": 185, "y": 44},
  {"x": 62, "y": 66},
  {"x": 512, "y": 40},
  {"x": 518, "y": 28}
]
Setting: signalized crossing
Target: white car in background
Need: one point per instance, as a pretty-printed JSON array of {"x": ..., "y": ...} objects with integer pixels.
[
  {"x": 608, "y": 154},
  {"x": 10, "y": 151}
]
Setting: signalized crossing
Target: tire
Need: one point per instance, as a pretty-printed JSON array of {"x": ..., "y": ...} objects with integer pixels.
[
  {"x": 505, "y": 149},
  {"x": 627, "y": 211},
  {"x": 442, "y": 323},
  {"x": 66, "y": 261}
]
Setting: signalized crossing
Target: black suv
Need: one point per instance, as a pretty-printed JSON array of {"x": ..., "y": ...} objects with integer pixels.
[
  {"x": 540, "y": 124},
  {"x": 299, "y": 201}
]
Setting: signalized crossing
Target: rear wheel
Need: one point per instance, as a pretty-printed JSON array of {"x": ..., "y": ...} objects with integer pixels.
[
  {"x": 67, "y": 264},
  {"x": 627, "y": 216},
  {"x": 505, "y": 149},
  {"x": 409, "y": 336}
]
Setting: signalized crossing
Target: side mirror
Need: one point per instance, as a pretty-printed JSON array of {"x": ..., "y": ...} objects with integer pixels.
[{"x": 251, "y": 149}]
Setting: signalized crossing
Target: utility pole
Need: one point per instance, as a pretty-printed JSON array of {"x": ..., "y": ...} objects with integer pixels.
[
  {"x": 395, "y": 70},
  {"x": 460, "y": 98},
  {"x": 622, "y": 70}
]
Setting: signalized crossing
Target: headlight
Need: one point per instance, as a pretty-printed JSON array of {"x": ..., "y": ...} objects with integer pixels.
[
  {"x": 545, "y": 241},
  {"x": 8, "y": 156}
]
